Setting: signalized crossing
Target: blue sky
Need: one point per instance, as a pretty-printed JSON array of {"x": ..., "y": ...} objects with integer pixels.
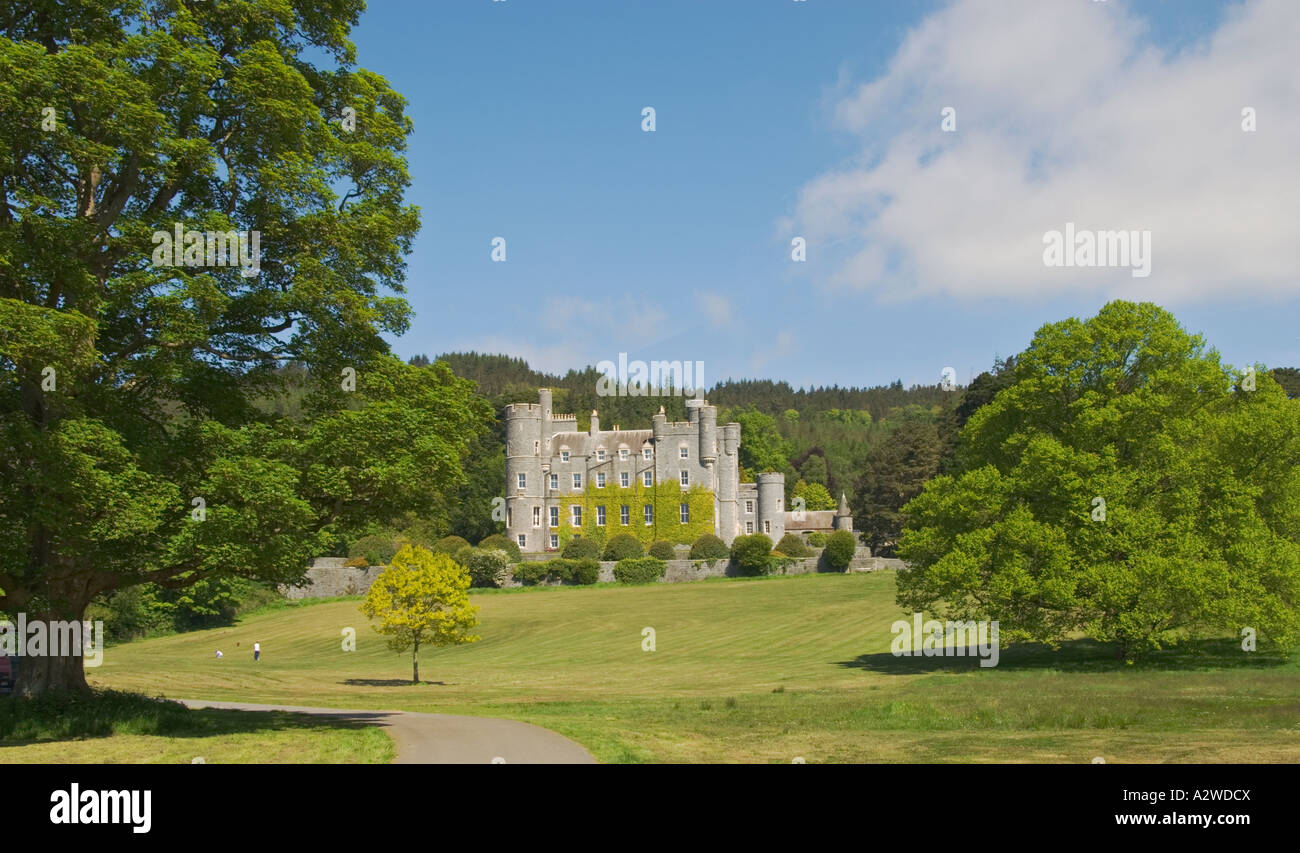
[{"x": 821, "y": 119}]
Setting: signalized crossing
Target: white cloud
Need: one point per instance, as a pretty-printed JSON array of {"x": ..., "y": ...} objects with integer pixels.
[
  {"x": 1066, "y": 113},
  {"x": 716, "y": 307}
]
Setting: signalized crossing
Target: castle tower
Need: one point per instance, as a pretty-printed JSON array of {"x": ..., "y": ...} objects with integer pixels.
[
  {"x": 526, "y": 436},
  {"x": 843, "y": 518},
  {"x": 771, "y": 505},
  {"x": 728, "y": 473}
]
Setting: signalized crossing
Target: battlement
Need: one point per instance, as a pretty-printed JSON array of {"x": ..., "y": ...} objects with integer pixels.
[{"x": 512, "y": 408}]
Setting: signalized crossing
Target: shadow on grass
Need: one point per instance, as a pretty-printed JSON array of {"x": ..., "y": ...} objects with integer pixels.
[
  {"x": 1077, "y": 656},
  {"x": 68, "y": 716},
  {"x": 386, "y": 682}
]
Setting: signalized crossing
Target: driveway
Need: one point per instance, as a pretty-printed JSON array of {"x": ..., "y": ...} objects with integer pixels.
[{"x": 447, "y": 738}]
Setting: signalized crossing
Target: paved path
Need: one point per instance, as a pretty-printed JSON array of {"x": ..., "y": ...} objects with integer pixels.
[{"x": 447, "y": 738}]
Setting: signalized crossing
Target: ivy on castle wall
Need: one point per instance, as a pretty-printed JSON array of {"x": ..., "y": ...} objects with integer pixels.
[{"x": 666, "y": 498}]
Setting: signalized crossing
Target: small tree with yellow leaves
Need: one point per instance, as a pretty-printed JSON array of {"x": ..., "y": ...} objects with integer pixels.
[{"x": 421, "y": 600}]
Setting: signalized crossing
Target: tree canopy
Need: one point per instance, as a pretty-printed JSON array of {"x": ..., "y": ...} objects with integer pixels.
[
  {"x": 136, "y": 448},
  {"x": 1123, "y": 485}
]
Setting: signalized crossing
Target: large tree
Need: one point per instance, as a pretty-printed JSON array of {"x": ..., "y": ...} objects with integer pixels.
[
  {"x": 894, "y": 474},
  {"x": 134, "y": 448},
  {"x": 1127, "y": 486}
]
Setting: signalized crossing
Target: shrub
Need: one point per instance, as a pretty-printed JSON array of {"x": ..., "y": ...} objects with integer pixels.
[
  {"x": 357, "y": 563},
  {"x": 640, "y": 570},
  {"x": 662, "y": 550},
  {"x": 709, "y": 547},
  {"x": 449, "y": 545},
  {"x": 624, "y": 546},
  {"x": 840, "y": 548},
  {"x": 501, "y": 542},
  {"x": 586, "y": 571},
  {"x": 817, "y": 539},
  {"x": 580, "y": 547},
  {"x": 751, "y": 553},
  {"x": 792, "y": 546},
  {"x": 377, "y": 549},
  {"x": 486, "y": 566},
  {"x": 532, "y": 572}
]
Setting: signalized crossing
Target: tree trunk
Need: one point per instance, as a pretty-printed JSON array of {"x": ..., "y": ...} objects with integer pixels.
[
  {"x": 415, "y": 664},
  {"x": 38, "y": 674}
]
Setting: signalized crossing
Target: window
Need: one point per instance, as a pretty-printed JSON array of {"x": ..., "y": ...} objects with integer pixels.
[
  {"x": 522, "y": 540},
  {"x": 622, "y": 453},
  {"x": 645, "y": 453},
  {"x": 577, "y": 515},
  {"x": 600, "y": 480},
  {"x": 555, "y": 542},
  {"x": 564, "y": 456},
  {"x": 749, "y": 506},
  {"x": 622, "y": 479},
  {"x": 767, "y": 527},
  {"x": 649, "y": 514},
  {"x": 648, "y": 478},
  {"x": 537, "y": 447},
  {"x": 509, "y": 517},
  {"x": 555, "y": 516},
  {"x": 684, "y": 452},
  {"x": 537, "y": 516},
  {"x": 686, "y": 478},
  {"x": 600, "y": 516},
  {"x": 749, "y": 527},
  {"x": 623, "y": 515},
  {"x": 523, "y": 481},
  {"x": 686, "y": 513},
  {"x": 577, "y": 481},
  {"x": 600, "y": 455},
  {"x": 555, "y": 482}
]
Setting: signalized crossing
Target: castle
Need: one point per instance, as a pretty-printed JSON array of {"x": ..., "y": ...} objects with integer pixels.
[{"x": 671, "y": 482}]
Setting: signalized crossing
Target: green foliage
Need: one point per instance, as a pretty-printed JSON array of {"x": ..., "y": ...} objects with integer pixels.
[
  {"x": 449, "y": 545},
  {"x": 420, "y": 599},
  {"x": 580, "y": 547},
  {"x": 666, "y": 498},
  {"x": 487, "y": 567},
  {"x": 582, "y": 570},
  {"x": 188, "y": 114},
  {"x": 709, "y": 547},
  {"x": 841, "y": 545},
  {"x": 750, "y": 553},
  {"x": 377, "y": 549},
  {"x": 817, "y": 539},
  {"x": 896, "y": 473},
  {"x": 815, "y": 495},
  {"x": 586, "y": 571},
  {"x": 639, "y": 570},
  {"x": 662, "y": 550},
  {"x": 791, "y": 545},
  {"x": 762, "y": 448},
  {"x": 622, "y": 547},
  {"x": 502, "y": 543},
  {"x": 1200, "y": 483}
]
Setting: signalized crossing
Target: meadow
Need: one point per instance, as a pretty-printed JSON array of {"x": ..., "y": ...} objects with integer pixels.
[{"x": 747, "y": 670}]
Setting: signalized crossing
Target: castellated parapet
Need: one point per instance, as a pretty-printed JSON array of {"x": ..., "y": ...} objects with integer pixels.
[{"x": 548, "y": 460}]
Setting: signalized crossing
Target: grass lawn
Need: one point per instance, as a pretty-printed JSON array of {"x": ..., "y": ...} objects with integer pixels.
[
  {"x": 762, "y": 670},
  {"x": 129, "y": 730}
]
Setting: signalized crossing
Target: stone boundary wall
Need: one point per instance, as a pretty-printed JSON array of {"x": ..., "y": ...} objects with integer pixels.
[{"x": 330, "y": 577}]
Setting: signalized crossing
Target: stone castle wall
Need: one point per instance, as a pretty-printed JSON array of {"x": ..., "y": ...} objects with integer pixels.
[{"x": 330, "y": 577}]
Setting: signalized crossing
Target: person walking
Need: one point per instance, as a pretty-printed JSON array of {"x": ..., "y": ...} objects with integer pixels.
[{"x": 257, "y": 652}]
